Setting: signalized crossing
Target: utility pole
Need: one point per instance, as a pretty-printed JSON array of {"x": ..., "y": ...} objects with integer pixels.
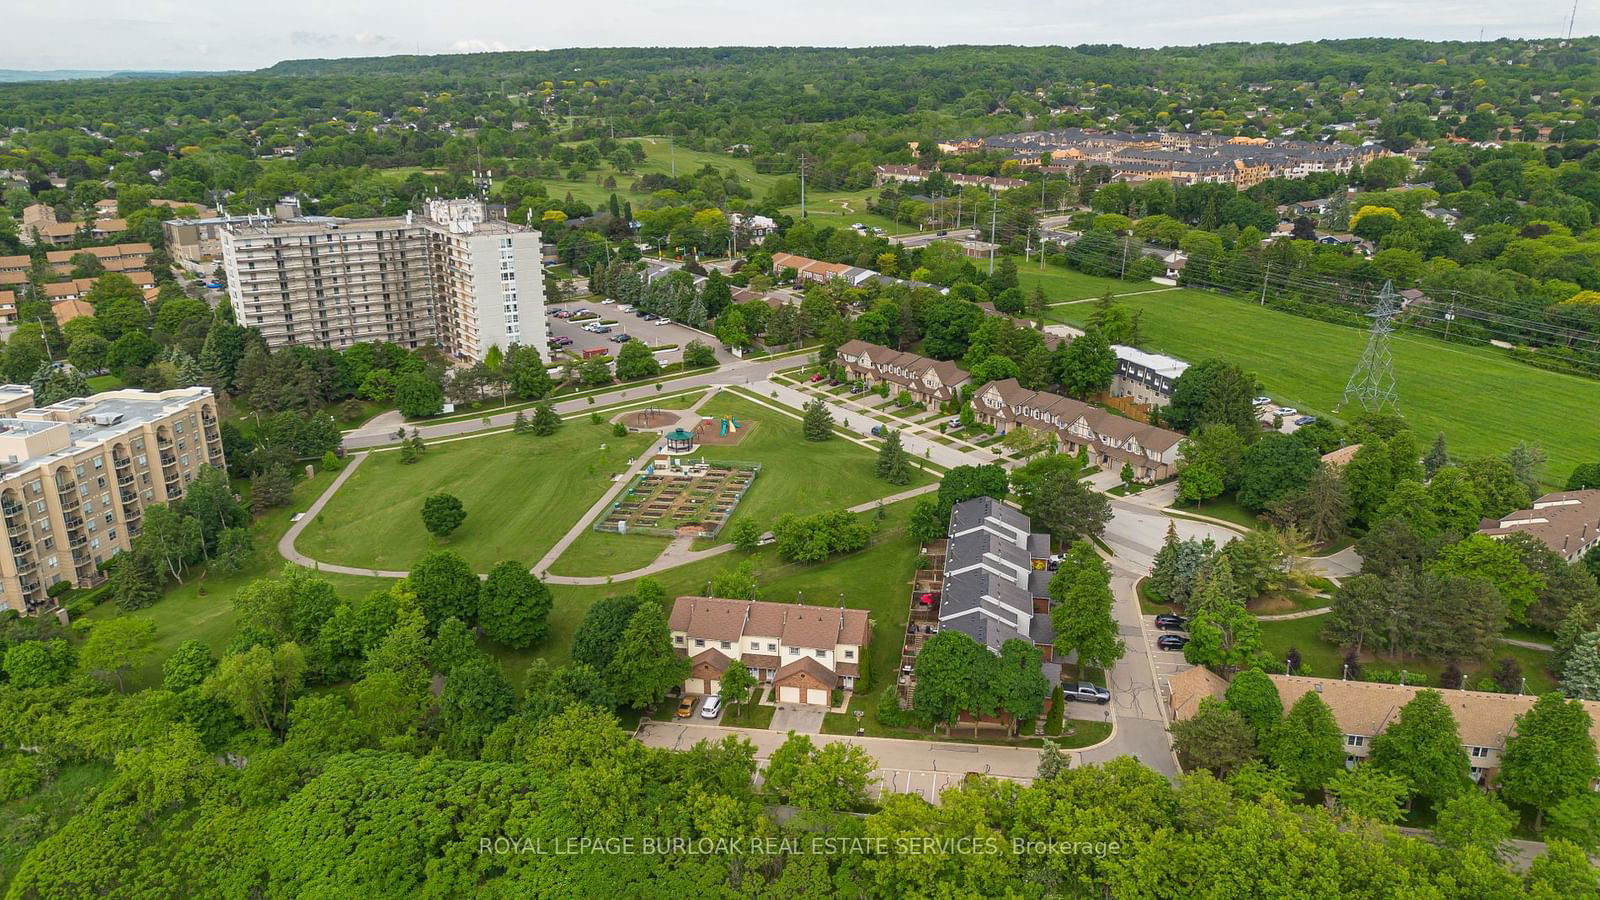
[
  {"x": 672, "y": 155},
  {"x": 994, "y": 216},
  {"x": 958, "y": 209},
  {"x": 1264, "y": 276},
  {"x": 802, "y": 184},
  {"x": 1124, "y": 257}
]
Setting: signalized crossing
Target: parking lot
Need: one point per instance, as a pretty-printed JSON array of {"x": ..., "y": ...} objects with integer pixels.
[
  {"x": 651, "y": 334},
  {"x": 1167, "y": 663}
]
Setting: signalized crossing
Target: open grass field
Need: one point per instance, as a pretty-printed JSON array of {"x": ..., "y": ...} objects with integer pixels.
[
  {"x": 521, "y": 494},
  {"x": 202, "y": 607},
  {"x": 841, "y": 209},
  {"x": 1061, "y": 283},
  {"x": 1482, "y": 401}
]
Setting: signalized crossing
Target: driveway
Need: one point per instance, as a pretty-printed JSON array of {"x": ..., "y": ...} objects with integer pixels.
[{"x": 798, "y": 718}]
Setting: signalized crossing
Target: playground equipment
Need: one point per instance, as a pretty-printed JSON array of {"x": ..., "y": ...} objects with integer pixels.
[{"x": 727, "y": 423}]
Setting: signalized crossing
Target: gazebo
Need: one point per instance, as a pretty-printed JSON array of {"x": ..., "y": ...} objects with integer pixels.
[{"x": 679, "y": 441}]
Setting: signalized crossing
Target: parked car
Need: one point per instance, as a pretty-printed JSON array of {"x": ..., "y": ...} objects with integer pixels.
[
  {"x": 601, "y": 329},
  {"x": 879, "y": 431},
  {"x": 1287, "y": 411},
  {"x": 858, "y": 388},
  {"x": 607, "y": 301},
  {"x": 1263, "y": 401},
  {"x": 561, "y": 340},
  {"x": 625, "y": 308},
  {"x": 686, "y": 707},
  {"x": 1171, "y": 642},
  {"x": 712, "y": 707},
  {"x": 816, "y": 378},
  {"x": 953, "y": 423},
  {"x": 648, "y": 317},
  {"x": 581, "y": 312},
  {"x": 663, "y": 321},
  {"x": 1087, "y": 692},
  {"x": 1305, "y": 420},
  {"x": 1171, "y": 622},
  {"x": 622, "y": 338},
  {"x": 834, "y": 382}
]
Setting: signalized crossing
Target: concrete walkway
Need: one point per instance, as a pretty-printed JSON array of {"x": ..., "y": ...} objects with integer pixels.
[{"x": 1301, "y": 614}]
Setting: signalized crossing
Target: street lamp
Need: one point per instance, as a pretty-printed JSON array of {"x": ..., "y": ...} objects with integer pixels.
[{"x": 858, "y": 714}]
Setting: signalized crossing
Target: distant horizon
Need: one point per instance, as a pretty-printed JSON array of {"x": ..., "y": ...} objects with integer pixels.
[{"x": 149, "y": 36}]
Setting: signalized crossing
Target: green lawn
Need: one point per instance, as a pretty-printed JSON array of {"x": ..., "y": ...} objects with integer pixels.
[
  {"x": 1482, "y": 401},
  {"x": 1225, "y": 508},
  {"x": 1061, "y": 283},
  {"x": 202, "y": 607},
  {"x": 797, "y": 475},
  {"x": 1325, "y": 660},
  {"x": 749, "y": 715},
  {"x": 841, "y": 209},
  {"x": 521, "y": 494},
  {"x": 604, "y": 553},
  {"x": 100, "y": 383}
]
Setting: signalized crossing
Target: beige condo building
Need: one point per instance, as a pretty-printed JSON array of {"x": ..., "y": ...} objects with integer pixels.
[
  {"x": 452, "y": 277},
  {"x": 75, "y": 478}
]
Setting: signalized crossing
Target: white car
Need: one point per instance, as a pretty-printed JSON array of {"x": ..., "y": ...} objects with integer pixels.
[
  {"x": 663, "y": 321},
  {"x": 625, "y": 308},
  {"x": 1286, "y": 411},
  {"x": 712, "y": 707},
  {"x": 607, "y": 301},
  {"x": 1263, "y": 401}
]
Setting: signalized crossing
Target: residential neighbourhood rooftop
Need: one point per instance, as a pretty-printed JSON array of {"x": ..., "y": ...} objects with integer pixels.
[{"x": 1567, "y": 522}]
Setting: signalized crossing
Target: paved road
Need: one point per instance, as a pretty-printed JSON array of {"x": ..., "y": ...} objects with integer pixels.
[{"x": 922, "y": 239}]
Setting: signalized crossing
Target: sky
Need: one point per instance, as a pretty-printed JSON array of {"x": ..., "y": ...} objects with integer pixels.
[{"x": 250, "y": 34}]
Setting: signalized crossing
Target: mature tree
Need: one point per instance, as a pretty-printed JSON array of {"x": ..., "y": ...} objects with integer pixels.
[
  {"x": 39, "y": 664},
  {"x": 416, "y": 394},
  {"x": 736, "y": 685},
  {"x": 950, "y": 669},
  {"x": 1368, "y": 478},
  {"x": 1275, "y": 466},
  {"x": 1474, "y": 820},
  {"x": 116, "y": 645},
  {"x": 1255, "y": 698},
  {"x": 1066, "y": 507},
  {"x": 292, "y": 606},
  {"x": 1210, "y": 392},
  {"x": 1087, "y": 365},
  {"x": 1222, "y": 634},
  {"x": 1550, "y": 758},
  {"x": 1321, "y": 509},
  {"x": 893, "y": 464},
  {"x": 1219, "y": 445},
  {"x": 596, "y": 638},
  {"x": 1409, "y": 502},
  {"x": 476, "y": 698},
  {"x": 260, "y": 683},
  {"x": 817, "y": 423},
  {"x": 1366, "y": 613},
  {"x": 644, "y": 666},
  {"x": 1199, "y": 480},
  {"x": 1580, "y": 677},
  {"x": 514, "y": 606},
  {"x": 445, "y": 586},
  {"x": 1080, "y": 608},
  {"x": 1455, "y": 501},
  {"x": 745, "y": 534},
  {"x": 635, "y": 361},
  {"x": 188, "y": 666},
  {"x": 545, "y": 421},
  {"x": 816, "y": 537},
  {"x": 1366, "y": 793},
  {"x": 1018, "y": 682},
  {"x": 1308, "y": 745},
  {"x": 442, "y": 513},
  {"x": 270, "y": 488},
  {"x": 1437, "y": 457},
  {"x": 1423, "y": 747},
  {"x": 1177, "y": 565},
  {"x": 1215, "y": 738},
  {"x": 1496, "y": 563}
]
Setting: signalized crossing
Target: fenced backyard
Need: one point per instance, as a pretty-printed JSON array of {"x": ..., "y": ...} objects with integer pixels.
[{"x": 680, "y": 499}]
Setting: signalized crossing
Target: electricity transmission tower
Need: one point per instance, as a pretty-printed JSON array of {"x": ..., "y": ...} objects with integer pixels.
[{"x": 1372, "y": 383}]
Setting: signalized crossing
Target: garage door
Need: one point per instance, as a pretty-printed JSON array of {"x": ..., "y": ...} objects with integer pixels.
[
  {"x": 788, "y": 695},
  {"x": 694, "y": 686},
  {"x": 713, "y": 687},
  {"x": 814, "y": 696}
]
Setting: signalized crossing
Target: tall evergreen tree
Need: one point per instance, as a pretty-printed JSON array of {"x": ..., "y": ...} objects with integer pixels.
[
  {"x": 893, "y": 466},
  {"x": 817, "y": 424}
]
